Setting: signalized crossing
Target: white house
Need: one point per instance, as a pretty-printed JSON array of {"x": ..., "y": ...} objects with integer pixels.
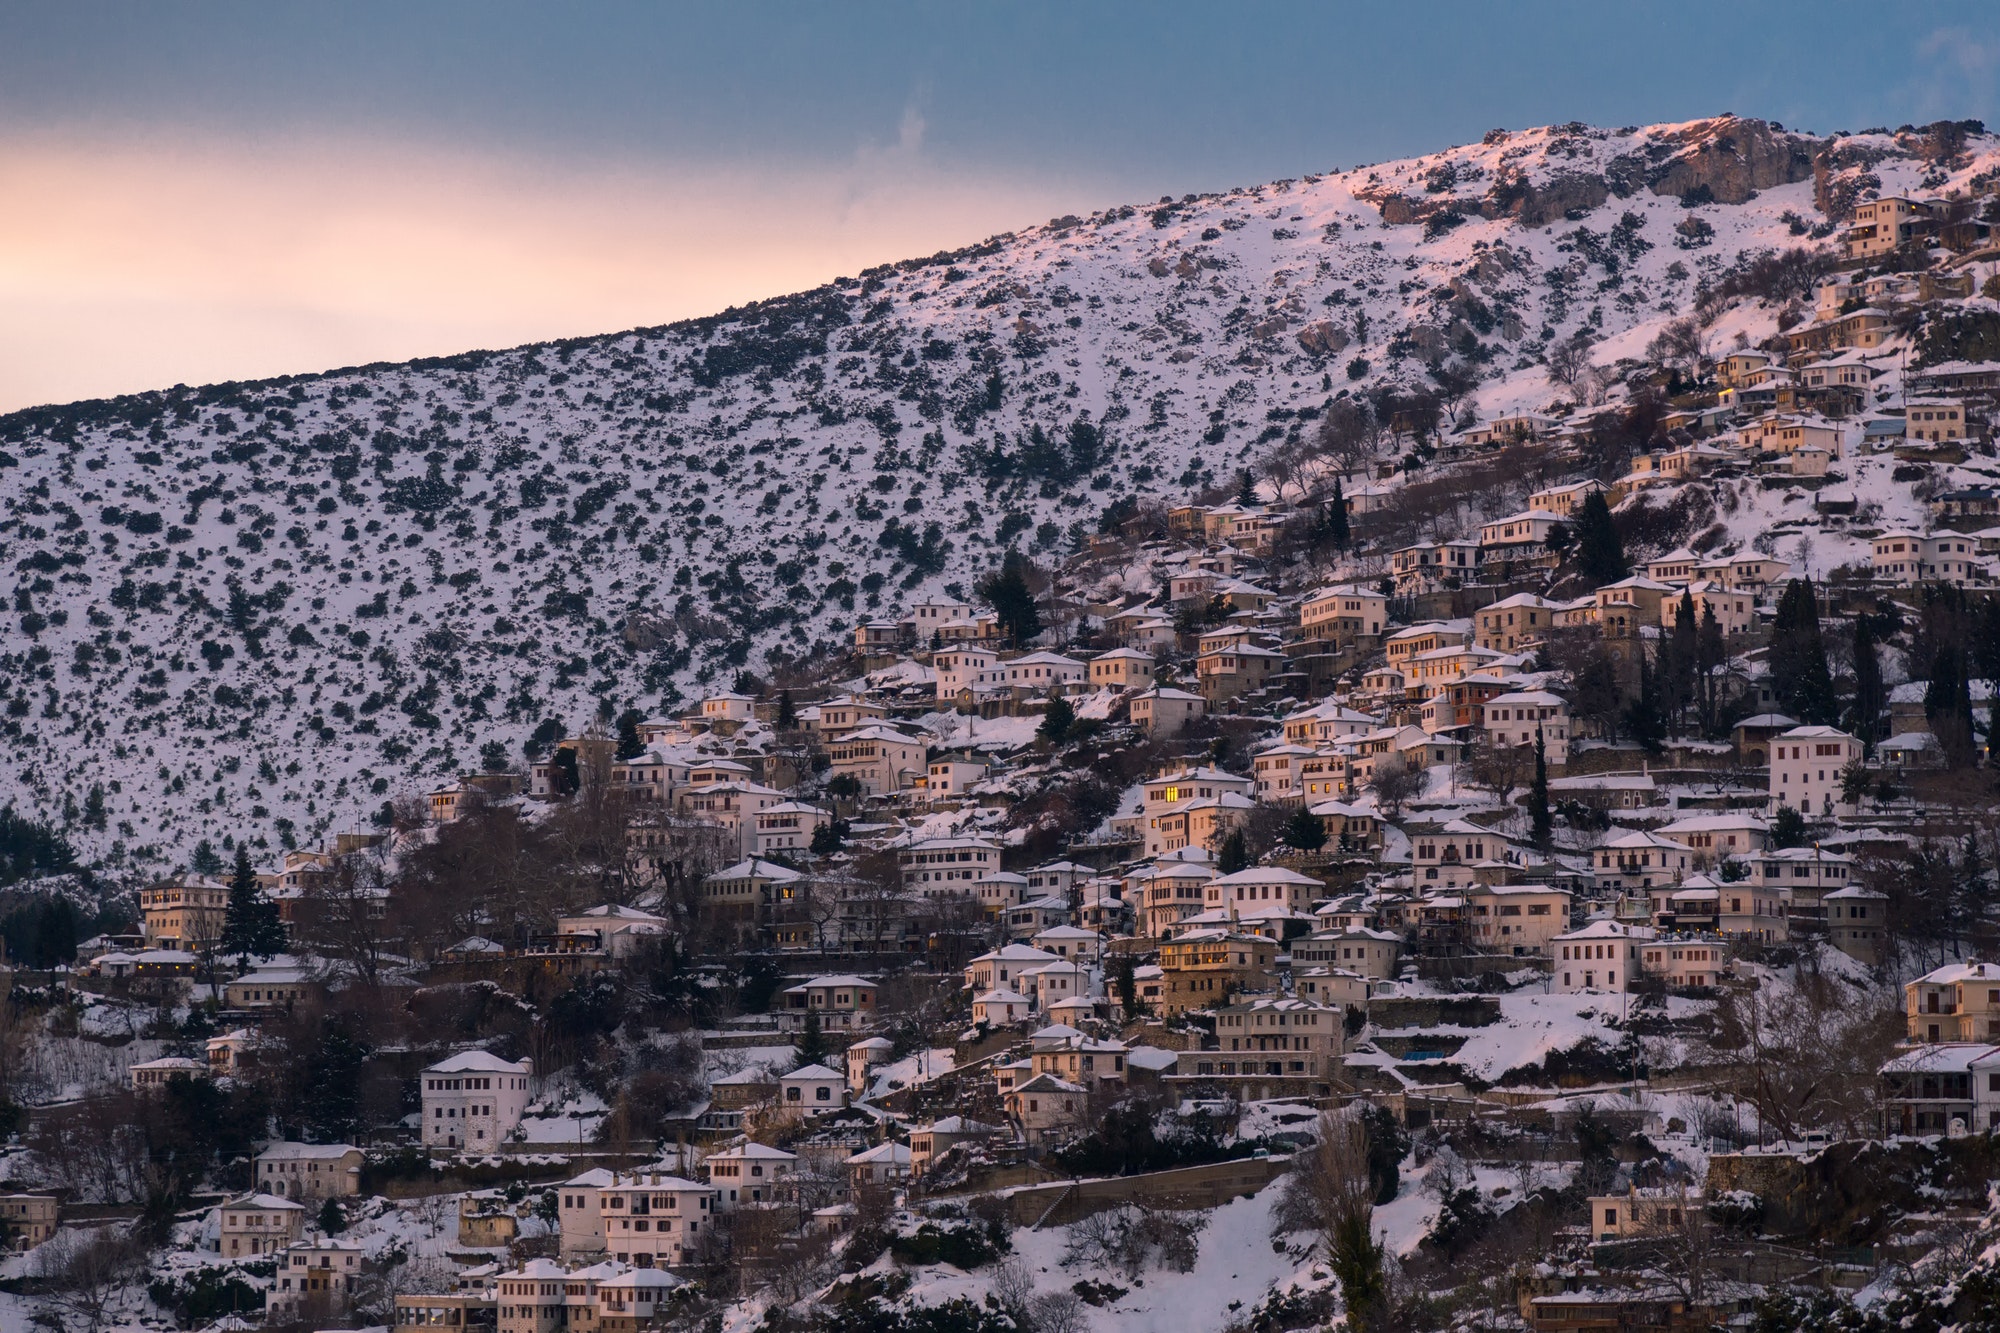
[
  {"x": 965, "y": 667},
  {"x": 1515, "y": 719},
  {"x": 1806, "y": 768},
  {"x": 1603, "y": 955},
  {"x": 812, "y": 1090},
  {"x": 474, "y": 1100},
  {"x": 1000, "y": 1008},
  {"x": 750, "y": 1173},
  {"x": 1045, "y": 673}
]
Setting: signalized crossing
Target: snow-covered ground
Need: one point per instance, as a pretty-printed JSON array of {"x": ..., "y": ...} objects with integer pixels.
[{"x": 268, "y": 607}]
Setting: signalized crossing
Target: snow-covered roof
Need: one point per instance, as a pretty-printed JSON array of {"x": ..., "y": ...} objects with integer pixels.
[{"x": 477, "y": 1062}]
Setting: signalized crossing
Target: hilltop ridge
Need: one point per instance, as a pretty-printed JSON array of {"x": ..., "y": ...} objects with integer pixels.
[{"x": 260, "y": 609}]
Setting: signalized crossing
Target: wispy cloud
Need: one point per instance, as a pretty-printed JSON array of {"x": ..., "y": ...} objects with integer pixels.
[
  {"x": 1960, "y": 74},
  {"x": 131, "y": 264}
]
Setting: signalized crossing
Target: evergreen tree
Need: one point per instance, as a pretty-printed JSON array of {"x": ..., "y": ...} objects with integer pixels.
[
  {"x": 204, "y": 861},
  {"x": 1788, "y": 828},
  {"x": 493, "y": 757},
  {"x": 1337, "y": 531},
  {"x": 788, "y": 716},
  {"x": 1013, "y": 604},
  {"x": 812, "y": 1045},
  {"x": 1711, "y": 654},
  {"x": 1305, "y": 831},
  {"x": 1541, "y": 826},
  {"x": 826, "y": 839},
  {"x": 1864, "y": 715},
  {"x": 1234, "y": 855},
  {"x": 93, "y": 807},
  {"x": 250, "y": 921},
  {"x": 1356, "y": 1260},
  {"x": 1598, "y": 546},
  {"x": 1246, "y": 489},
  {"x": 332, "y": 1220},
  {"x": 1057, "y": 720},
  {"x": 330, "y": 1102},
  {"x": 1948, "y": 706},
  {"x": 629, "y": 744},
  {"x": 1124, "y": 973},
  {"x": 563, "y": 776},
  {"x": 1643, "y": 720},
  {"x": 1680, "y": 663},
  {"x": 1799, "y": 674}
]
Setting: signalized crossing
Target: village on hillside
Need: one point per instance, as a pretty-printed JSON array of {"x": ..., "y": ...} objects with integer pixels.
[{"x": 1531, "y": 872}]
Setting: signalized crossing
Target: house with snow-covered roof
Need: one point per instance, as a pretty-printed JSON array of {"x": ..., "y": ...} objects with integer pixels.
[{"x": 473, "y": 1100}]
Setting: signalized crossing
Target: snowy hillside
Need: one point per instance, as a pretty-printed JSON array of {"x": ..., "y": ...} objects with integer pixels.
[{"x": 258, "y": 609}]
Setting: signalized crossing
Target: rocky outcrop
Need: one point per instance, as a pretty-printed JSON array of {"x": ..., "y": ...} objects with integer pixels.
[
  {"x": 1514, "y": 196},
  {"x": 1324, "y": 338},
  {"x": 1730, "y": 159},
  {"x": 1843, "y": 176}
]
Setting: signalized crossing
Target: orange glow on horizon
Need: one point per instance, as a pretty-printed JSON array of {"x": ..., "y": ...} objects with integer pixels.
[{"x": 127, "y": 266}]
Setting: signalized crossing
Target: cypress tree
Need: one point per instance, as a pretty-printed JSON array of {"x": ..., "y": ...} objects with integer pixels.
[
  {"x": 1541, "y": 826},
  {"x": 1598, "y": 545},
  {"x": 629, "y": 744},
  {"x": 1711, "y": 653},
  {"x": 1124, "y": 970},
  {"x": 1680, "y": 662},
  {"x": 1864, "y": 716},
  {"x": 788, "y": 716},
  {"x": 1799, "y": 674},
  {"x": 1234, "y": 855},
  {"x": 1336, "y": 522},
  {"x": 812, "y": 1043},
  {"x": 1643, "y": 722}
]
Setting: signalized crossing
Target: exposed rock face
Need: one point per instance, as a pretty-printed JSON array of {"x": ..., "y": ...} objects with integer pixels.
[
  {"x": 1324, "y": 338},
  {"x": 1841, "y": 177},
  {"x": 1515, "y": 197},
  {"x": 1734, "y": 159}
]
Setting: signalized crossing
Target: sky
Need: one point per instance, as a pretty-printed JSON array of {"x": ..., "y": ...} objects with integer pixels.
[{"x": 192, "y": 192}]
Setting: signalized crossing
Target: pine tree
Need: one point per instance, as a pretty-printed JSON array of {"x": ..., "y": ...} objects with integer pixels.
[
  {"x": 1864, "y": 715},
  {"x": 1246, "y": 489},
  {"x": 1788, "y": 828},
  {"x": 204, "y": 861},
  {"x": 1305, "y": 831},
  {"x": 1541, "y": 826},
  {"x": 1057, "y": 720},
  {"x": 250, "y": 921},
  {"x": 788, "y": 716},
  {"x": 1598, "y": 546},
  {"x": 1234, "y": 855},
  {"x": 826, "y": 839},
  {"x": 93, "y": 807},
  {"x": 332, "y": 1220}
]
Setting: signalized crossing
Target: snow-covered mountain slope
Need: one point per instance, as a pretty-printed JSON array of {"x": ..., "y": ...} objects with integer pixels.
[{"x": 257, "y": 609}]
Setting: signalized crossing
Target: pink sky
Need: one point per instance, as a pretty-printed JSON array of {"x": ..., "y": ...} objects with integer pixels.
[{"x": 128, "y": 265}]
